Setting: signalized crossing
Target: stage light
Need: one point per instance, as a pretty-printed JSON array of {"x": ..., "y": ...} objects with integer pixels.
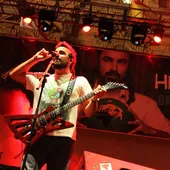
[
  {"x": 139, "y": 32},
  {"x": 46, "y": 26},
  {"x": 27, "y": 15},
  {"x": 158, "y": 34},
  {"x": 27, "y": 20},
  {"x": 105, "y": 28},
  {"x": 86, "y": 28},
  {"x": 157, "y": 39},
  {"x": 45, "y": 20},
  {"x": 127, "y": 1},
  {"x": 87, "y": 21}
]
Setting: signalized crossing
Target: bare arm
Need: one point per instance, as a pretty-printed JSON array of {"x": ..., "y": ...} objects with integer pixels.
[
  {"x": 141, "y": 127},
  {"x": 19, "y": 73},
  {"x": 90, "y": 107},
  {"x": 91, "y": 103}
]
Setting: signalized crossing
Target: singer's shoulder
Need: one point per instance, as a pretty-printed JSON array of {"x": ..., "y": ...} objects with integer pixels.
[{"x": 82, "y": 78}]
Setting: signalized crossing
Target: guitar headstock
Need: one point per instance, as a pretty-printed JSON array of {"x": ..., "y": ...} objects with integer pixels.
[{"x": 113, "y": 85}]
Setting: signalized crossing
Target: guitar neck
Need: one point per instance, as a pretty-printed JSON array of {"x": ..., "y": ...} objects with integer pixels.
[{"x": 69, "y": 105}]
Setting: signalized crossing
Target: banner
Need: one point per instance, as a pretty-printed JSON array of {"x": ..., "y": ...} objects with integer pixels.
[{"x": 147, "y": 77}]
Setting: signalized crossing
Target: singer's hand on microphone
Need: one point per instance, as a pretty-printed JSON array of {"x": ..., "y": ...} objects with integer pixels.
[{"x": 42, "y": 55}]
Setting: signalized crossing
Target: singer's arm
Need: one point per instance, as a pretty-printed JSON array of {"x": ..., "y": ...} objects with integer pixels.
[{"x": 19, "y": 73}]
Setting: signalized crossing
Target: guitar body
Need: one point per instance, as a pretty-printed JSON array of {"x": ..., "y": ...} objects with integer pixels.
[{"x": 21, "y": 125}]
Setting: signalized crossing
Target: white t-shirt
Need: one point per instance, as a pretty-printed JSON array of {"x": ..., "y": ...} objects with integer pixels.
[{"x": 53, "y": 93}]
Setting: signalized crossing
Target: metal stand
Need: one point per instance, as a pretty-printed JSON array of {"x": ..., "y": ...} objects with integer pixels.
[{"x": 33, "y": 129}]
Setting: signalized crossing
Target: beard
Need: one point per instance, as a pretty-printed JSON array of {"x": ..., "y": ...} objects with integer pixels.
[
  {"x": 111, "y": 76},
  {"x": 59, "y": 64}
]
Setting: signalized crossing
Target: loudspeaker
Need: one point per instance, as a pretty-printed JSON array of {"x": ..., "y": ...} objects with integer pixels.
[
  {"x": 130, "y": 148},
  {"x": 90, "y": 161}
]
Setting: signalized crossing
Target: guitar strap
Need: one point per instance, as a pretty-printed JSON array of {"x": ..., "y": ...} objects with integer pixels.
[{"x": 69, "y": 90}]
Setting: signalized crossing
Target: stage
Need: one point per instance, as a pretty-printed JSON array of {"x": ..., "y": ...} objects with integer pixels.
[{"x": 102, "y": 147}]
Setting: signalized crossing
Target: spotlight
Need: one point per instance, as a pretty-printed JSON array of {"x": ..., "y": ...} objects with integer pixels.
[
  {"x": 105, "y": 28},
  {"x": 158, "y": 34},
  {"x": 46, "y": 26},
  {"x": 45, "y": 20},
  {"x": 139, "y": 32},
  {"x": 127, "y": 1},
  {"x": 27, "y": 15},
  {"x": 87, "y": 21},
  {"x": 27, "y": 20}
]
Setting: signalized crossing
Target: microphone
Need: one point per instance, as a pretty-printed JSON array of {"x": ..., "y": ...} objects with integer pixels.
[{"x": 53, "y": 54}]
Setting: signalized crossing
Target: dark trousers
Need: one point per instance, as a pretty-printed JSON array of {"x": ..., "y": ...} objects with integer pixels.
[{"x": 50, "y": 150}]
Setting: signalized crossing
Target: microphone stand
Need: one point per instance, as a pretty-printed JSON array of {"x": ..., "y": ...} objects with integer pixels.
[{"x": 33, "y": 128}]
